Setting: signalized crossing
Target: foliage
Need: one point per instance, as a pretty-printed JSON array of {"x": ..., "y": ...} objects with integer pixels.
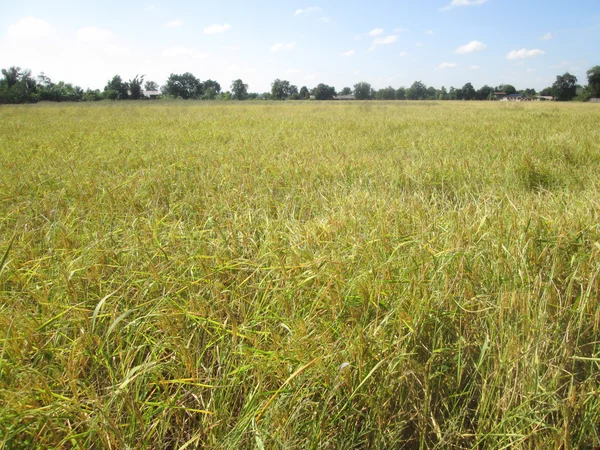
[
  {"x": 362, "y": 91},
  {"x": 565, "y": 87},
  {"x": 239, "y": 90},
  {"x": 304, "y": 93},
  {"x": 117, "y": 89},
  {"x": 135, "y": 87},
  {"x": 418, "y": 91},
  {"x": 346, "y": 91},
  {"x": 324, "y": 92},
  {"x": 593, "y": 76},
  {"x": 352, "y": 276},
  {"x": 151, "y": 86},
  {"x": 280, "y": 89},
  {"x": 185, "y": 85}
]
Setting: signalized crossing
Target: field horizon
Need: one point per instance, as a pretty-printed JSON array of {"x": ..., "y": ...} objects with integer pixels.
[{"x": 371, "y": 274}]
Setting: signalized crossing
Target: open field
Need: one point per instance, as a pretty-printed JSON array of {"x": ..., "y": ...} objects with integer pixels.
[{"x": 300, "y": 275}]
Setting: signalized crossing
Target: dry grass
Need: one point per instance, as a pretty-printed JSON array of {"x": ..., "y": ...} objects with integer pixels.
[{"x": 196, "y": 275}]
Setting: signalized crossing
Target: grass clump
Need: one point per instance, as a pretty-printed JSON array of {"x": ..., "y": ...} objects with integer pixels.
[{"x": 186, "y": 275}]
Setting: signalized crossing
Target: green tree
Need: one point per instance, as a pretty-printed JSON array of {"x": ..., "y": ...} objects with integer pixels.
[
  {"x": 547, "y": 92},
  {"x": 388, "y": 93},
  {"x": 239, "y": 90},
  {"x": 280, "y": 89},
  {"x": 346, "y": 91},
  {"x": 116, "y": 89},
  {"x": 12, "y": 75},
  {"x": 443, "y": 95},
  {"x": 135, "y": 87},
  {"x": 483, "y": 93},
  {"x": 324, "y": 92},
  {"x": 362, "y": 91},
  {"x": 507, "y": 89},
  {"x": 468, "y": 92},
  {"x": 186, "y": 86},
  {"x": 593, "y": 76},
  {"x": 418, "y": 91},
  {"x": 565, "y": 87},
  {"x": 304, "y": 94},
  {"x": 210, "y": 89},
  {"x": 151, "y": 86},
  {"x": 401, "y": 93}
]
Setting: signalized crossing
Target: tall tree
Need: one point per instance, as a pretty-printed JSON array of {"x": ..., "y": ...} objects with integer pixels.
[
  {"x": 185, "y": 86},
  {"x": 304, "y": 94},
  {"x": 483, "y": 93},
  {"x": 151, "y": 86},
  {"x": 211, "y": 89},
  {"x": 507, "y": 89},
  {"x": 239, "y": 90},
  {"x": 593, "y": 76},
  {"x": 346, "y": 91},
  {"x": 362, "y": 91},
  {"x": 324, "y": 92},
  {"x": 280, "y": 89},
  {"x": 401, "y": 93},
  {"x": 468, "y": 92},
  {"x": 418, "y": 91},
  {"x": 116, "y": 89},
  {"x": 565, "y": 87},
  {"x": 135, "y": 87}
]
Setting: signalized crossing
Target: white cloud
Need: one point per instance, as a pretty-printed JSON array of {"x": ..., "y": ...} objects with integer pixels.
[
  {"x": 419, "y": 44},
  {"x": 348, "y": 53},
  {"x": 446, "y": 65},
  {"x": 524, "y": 53},
  {"x": 152, "y": 7},
  {"x": 547, "y": 36},
  {"x": 310, "y": 9},
  {"x": 383, "y": 41},
  {"x": 281, "y": 46},
  {"x": 474, "y": 67},
  {"x": 403, "y": 54},
  {"x": 375, "y": 32},
  {"x": 216, "y": 28},
  {"x": 174, "y": 23},
  {"x": 325, "y": 19},
  {"x": 93, "y": 34},
  {"x": 455, "y": 3},
  {"x": 29, "y": 29},
  {"x": 473, "y": 46},
  {"x": 430, "y": 32}
]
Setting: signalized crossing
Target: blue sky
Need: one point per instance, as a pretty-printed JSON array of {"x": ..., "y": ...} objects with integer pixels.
[{"x": 440, "y": 42}]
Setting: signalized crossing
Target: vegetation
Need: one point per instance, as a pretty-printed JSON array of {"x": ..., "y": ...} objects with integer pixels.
[
  {"x": 18, "y": 86},
  {"x": 308, "y": 275}
]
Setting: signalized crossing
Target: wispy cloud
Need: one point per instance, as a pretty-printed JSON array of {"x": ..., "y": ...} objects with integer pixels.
[
  {"x": 383, "y": 41},
  {"x": 430, "y": 32},
  {"x": 455, "y": 3},
  {"x": 325, "y": 19},
  {"x": 419, "y": 44},
  {"x": 174, "y": 23},
  {"x": 375, "y": 32},
  {"x": 474, "y": 67},
  {"x": 348, "y": 53},
  {"x": 546, "y": 37},
  {"x": 473, "y": 46},
  {"x": 524, "y": 53},
  {"x": 216, "y": 28},
  {"x": 282, "y": 46},
  {"x": 309, "y": 10},
  {"x": 402, "y": 54},
  {"x": 446, "y": 65},
  {"x": 29, "y": 29}
]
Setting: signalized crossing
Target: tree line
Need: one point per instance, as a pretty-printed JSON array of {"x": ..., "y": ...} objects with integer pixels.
[{"x": 19, "y": 86}]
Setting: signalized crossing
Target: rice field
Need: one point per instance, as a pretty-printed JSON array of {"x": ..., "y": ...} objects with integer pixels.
[{"x": 300, "y": 275}]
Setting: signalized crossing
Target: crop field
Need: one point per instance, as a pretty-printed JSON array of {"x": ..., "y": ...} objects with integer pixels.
[{"x": 300, "y": 275}]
